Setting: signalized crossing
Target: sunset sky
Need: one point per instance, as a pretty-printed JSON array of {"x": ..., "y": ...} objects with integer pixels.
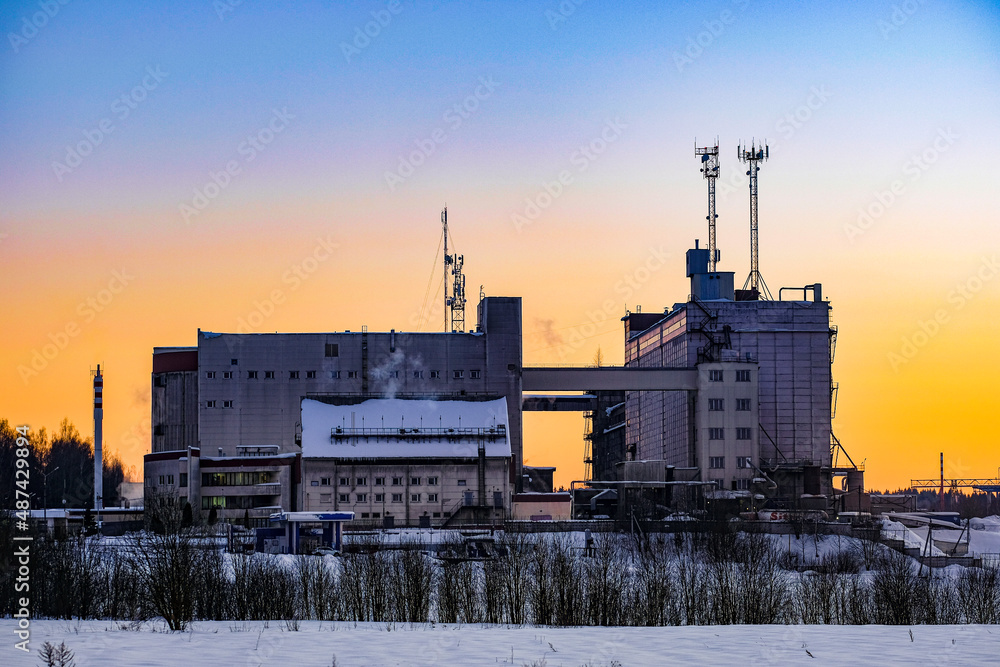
[{"x": 175, "y": 165}]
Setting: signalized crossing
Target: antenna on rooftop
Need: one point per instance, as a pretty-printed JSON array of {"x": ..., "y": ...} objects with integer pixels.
[
  {"x": 752, "y": 156},
  {"x": 454, "y": 305},
  {"x": 710, "y": 170}
]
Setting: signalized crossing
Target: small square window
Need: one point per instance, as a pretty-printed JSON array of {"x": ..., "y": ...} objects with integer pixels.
[
  {"x": 435, "y": 375},
  {"x": 332, "y": 350},
  {"x": 326, "y": 498},
  {"x": 414, "y": 497},
  {"x": 268, "y": 375},
  {"x": 742, "y": 484},
  {"x": 362, "y": 481},
  {"x": 397, "y": 481},
  {"x": 376, "y": 515},
  {"x": 394, "y": 374},
  {"x": 227, "y": 404},
  {"x": 310, "y": 375},
  {"x": 397, "y": 497},
  {"x": 209, "y": 404},
  {"x": 418, "y": 375},
  {"x": 461, "y": 482},
  {"x": 252, "y": 375},
  {"x": 380, "y": 481},
  {"x": 432, "y": 481},
  {"x": 345, "y": 481},
  {"x": 458, "y": 375},
  {"x": 325, "y": 481},
  {"x": 380, "y": 497},
  {"x": 716, "y": 462},
  {"x": 743, "y": 462},
  {"x": 362, "y": 497},
  {"x": 742, "y": 376},
  {"x": 414, "y": 481},
  {"x": 716, "y": 434},
  {"x": 293, "y": 375},
  {"x": 227, "y": 375},
  {"x": 344, "y": 497},
  {"x": 315, "y": 482},
  {"x": 210, "y": 375},
  {"x": 715, "y": 376},
  {"x": 432, "y": 497},
  {"x": 352, "y": 375},
  {"x": 334, "y": 375},
  {"x": 475, "y": 375},
  {"x": 234, "y": 362},
  {"x": 743, "y": 405},
  {"x": 743, "y": 434},
  {"x": 716, "y": 404},
  {"x": 364, "y": 515}
]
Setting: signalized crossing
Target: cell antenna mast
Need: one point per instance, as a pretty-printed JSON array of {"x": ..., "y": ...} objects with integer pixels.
[
  {"x": 752, "y": 156},
  {"x": 710, "y": 170},
  {"x": 454, "y": 305}
]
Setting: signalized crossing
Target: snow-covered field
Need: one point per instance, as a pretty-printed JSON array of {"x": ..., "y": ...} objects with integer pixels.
[{"x": 349, "y": 645}]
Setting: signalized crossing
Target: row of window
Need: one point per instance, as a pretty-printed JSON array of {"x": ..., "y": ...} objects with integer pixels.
[
  {"x": 742, "y": 433},
  {"x": 351, "y": 375},
  {"x": 742, "y": 462},
  {"x": 378, "y": 497},
  {"x": 235, "y": 478},
  {"x": 738, "y": 484},
  {"x": 719, "y": 376},
  {"x": 379, "y": 481},
  {"x": 719, "y": 404}
]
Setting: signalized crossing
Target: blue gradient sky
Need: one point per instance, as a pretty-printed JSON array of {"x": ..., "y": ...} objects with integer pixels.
[{"x": 886, "y": 95}]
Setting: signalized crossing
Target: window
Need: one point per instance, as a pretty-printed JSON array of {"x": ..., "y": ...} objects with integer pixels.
[
  {"x": 227, "y": 404},
  {"x": 352, "y": 375},
  {"x": 234, "y": 362},
  {"x": 715, "y": 376},
  {"x": 209, "y": 404},
  {"x": 334, "y": 375},
  {"x": 742, "y": 462},
  {"x": 394, "y": 374},
  {"x": 162, "y": 479},
  {"x": 461, "y": 482},
  {"x": 435, "y": 375},
  {"x": 397, "y": 497},
  {"x": 458, "y": 375},
  {"x": 324, "y": 481},
  {"x": 182, "y": 479},
  {"x": 362, "y": 497},
  {"x": 345, "y": 481},
  {"x": 418, "y": 375},
  {"x": 344, "y": 497},
  {"x": 210, "y": 375},
  {"x": 475, "y": 375},
  {"x": 310, "y": 375},
  {"x": 743, "y": 405},
  {"x": 380, "y": 497},
  {"x": 716, "y": 462},
  {"x": 437, "y": 515},
  {"x": 414, "y": 497},
  {"x": 362, "y": 481},
  {"x": 326, "y": 498},
  {"x": 227, "y": 375},
  {"x": 268, "y": 375},
  {"x": 252, "y": 375},
  {"x": 170, "y": 479},
  {"x": 716, "y": 434},
  {"x": 332, "y": 350},
  {"x": 742, "y": 484},
  {"x": 742, "y": 376},
  {"x": 432, "y": 481},
  {"x": 293, "y": 375},
  {"x": 397, "y": 481},
  {"x": 742, "y": 434},
  {"x": 414, "y": 481},
  {"x": 364, "y": 515},
  {"x": 715, "y": 404},
  {"x": 315, "y": 482},
  {"x": 432, "y": 497},
  {"x": 380, "y": 481}
]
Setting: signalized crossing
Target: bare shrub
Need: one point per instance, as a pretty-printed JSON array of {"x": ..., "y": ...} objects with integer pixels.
[
  {"x": 412, "y": 584},
  {"x": 655, "y": 591},
  {"x": 894, "y": 590},
  {"x": 978, "y": 591},
  {"x": 56, "y": 656},
  {"x": 606, "y": 582},
  {"x": 317, "y": 585}
]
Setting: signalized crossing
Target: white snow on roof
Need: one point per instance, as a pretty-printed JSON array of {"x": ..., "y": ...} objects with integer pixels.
[{"x": 378, "y": 422}]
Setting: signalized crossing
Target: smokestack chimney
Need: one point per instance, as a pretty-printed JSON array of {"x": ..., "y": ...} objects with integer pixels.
[{"x": 98, "y": 437}]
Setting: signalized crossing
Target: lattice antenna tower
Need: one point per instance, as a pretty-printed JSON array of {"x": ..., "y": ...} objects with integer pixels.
[
  {"x": 454, "y": 305},
  {"x": 710, "y": 170},
  {"x": 754, "y": 155}
]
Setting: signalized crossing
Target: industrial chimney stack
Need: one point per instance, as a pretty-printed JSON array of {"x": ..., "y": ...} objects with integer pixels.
[{"x": 98, "y": 436}]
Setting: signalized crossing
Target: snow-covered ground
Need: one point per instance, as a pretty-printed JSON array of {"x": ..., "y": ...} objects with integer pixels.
[{"x": 348, "y": 645}]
